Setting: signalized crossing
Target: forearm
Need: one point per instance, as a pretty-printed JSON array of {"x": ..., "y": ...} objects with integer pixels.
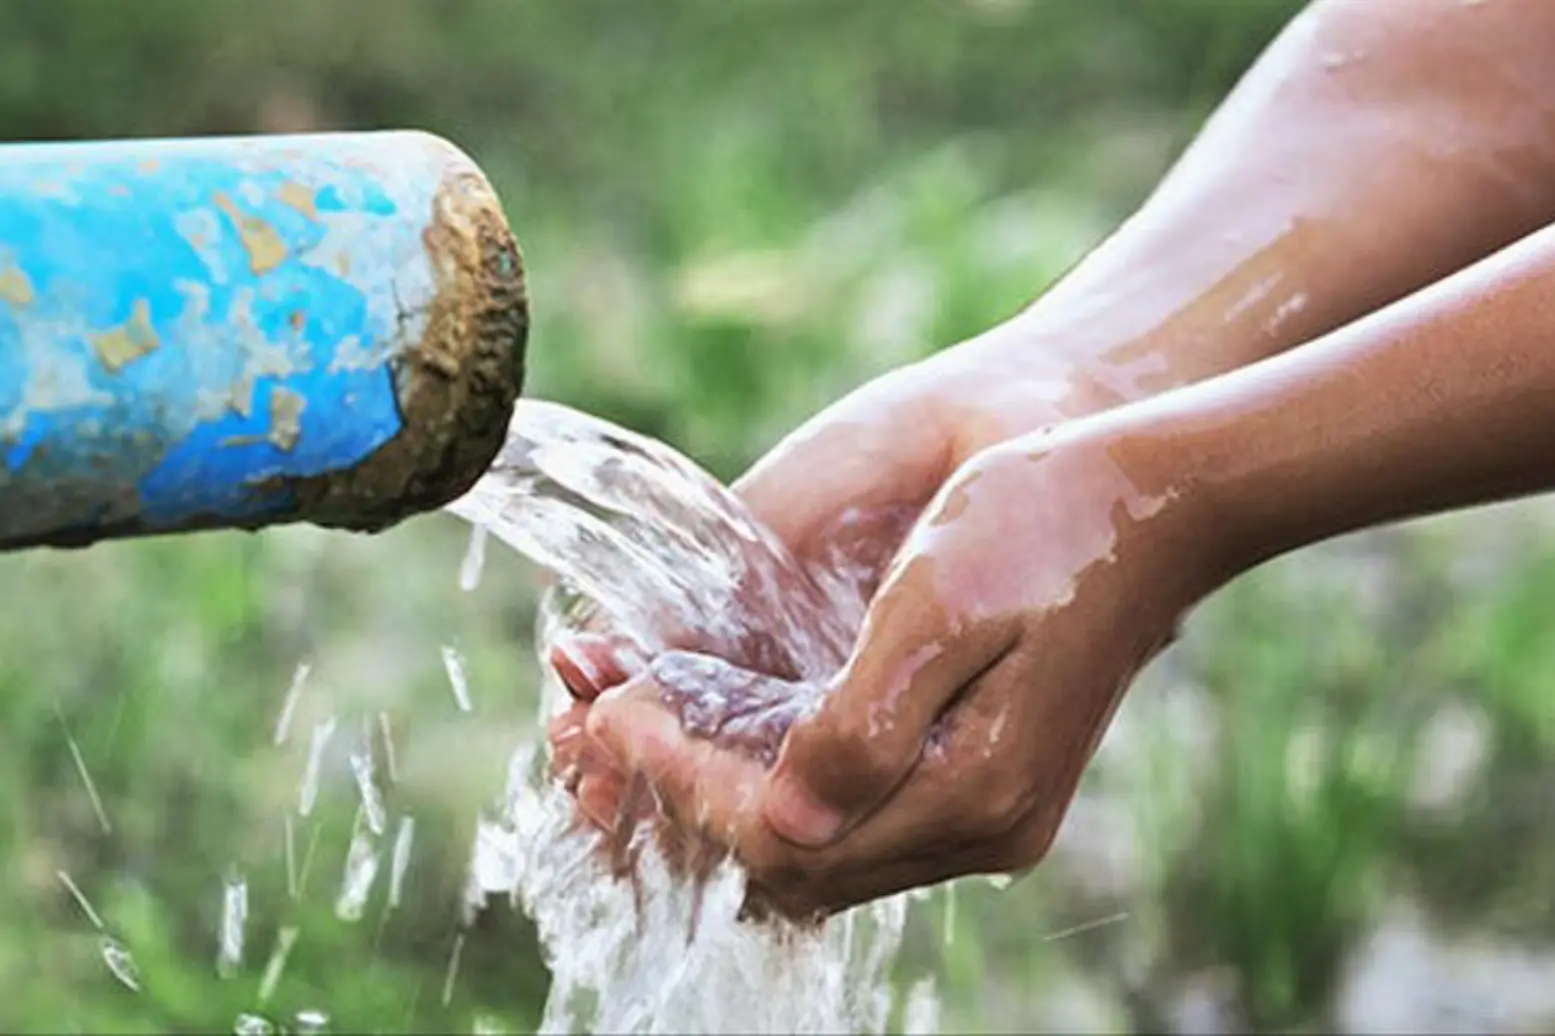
[
  {"x": 1443, "y": 401},
  {"x": 1373, "y": 149}
]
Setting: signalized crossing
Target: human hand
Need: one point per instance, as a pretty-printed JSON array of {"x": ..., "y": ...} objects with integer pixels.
[
  {"x": 1044, "y": 575},
  {"x": 840, "y": 493}
]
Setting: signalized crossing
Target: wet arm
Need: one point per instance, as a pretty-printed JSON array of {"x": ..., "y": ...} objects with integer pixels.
[
  {"x": 1374, "y": 148},
  {"x": 1442, "y": 401}
]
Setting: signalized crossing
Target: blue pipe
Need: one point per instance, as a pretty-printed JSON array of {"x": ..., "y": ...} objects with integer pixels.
[{"x": 236, "y": 332}]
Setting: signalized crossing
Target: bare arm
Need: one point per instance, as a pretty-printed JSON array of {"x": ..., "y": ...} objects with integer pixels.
[
  {"x": 1375, "y": 147},
  {"x": 1052, "y": 568},
  {"x": 1443, "y": 401}
]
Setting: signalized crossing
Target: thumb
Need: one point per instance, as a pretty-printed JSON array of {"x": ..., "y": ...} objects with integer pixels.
[{"x": 913, "y": 657}]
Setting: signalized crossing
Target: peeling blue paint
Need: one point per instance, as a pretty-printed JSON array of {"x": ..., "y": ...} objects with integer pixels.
[{"x": 184, "y": 322}]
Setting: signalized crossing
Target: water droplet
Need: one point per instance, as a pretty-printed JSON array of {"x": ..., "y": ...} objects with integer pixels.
[
  {"x": 289, "y": 851},
  {"x": 361, "y": 871},
  {"x": 453, "y": 969},
  {"x": 453, "y": 663},
  {"x": 474, "y": 559},
  {"x": 234, "y": 916},
  {"x": 86, "y": 777},
  {"x": 311, "y": 1020},
  {"x": 372, "y": 800},
  {"x": 119, "y": 961},
  {"x": 252, "y": 1025},
  {"x": 401, "y": 859},
  {"x": 308, "y": 794},
  {"x": 283, "y": 724},
  {"x": 999, "y": 881},
  {"x": 390, "y": 763}
]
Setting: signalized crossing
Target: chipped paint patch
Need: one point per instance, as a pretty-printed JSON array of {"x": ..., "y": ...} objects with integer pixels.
[
  {"x": 304, "y": 199},
  {"x": 264, "y": 246},
  {"x": 286, "y": 409},
  {"x": 129, "y": 341},
  {"x": 16, "y": 287}
]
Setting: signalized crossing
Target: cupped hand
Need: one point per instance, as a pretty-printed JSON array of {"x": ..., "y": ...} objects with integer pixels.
[
  {"x": 841, "y": 491},
  {"x": 1041, "y": 578}
]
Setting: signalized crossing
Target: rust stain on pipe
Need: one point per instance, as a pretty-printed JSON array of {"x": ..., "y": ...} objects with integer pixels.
[{"x": 456, "y": 389}]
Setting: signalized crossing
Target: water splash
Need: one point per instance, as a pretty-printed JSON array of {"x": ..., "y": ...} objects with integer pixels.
[
  {"x": 252, "y": 1025},
  {"x": 234, "y": 919},
  {"x": 361, "y": 872},
  {"x": 453, "y": 664},
  {"x": 390, "y": 760},
  {"x": 399, "y": 861},
  {"x": 310, "y": 1020},
  {"x": 289, "y": 853},
  {"x": 452, "y": 973},
  {"x": 120, "y": 963},
  {"x": 114, "y": 953},
  {"x": 642, "y": 539},
  {"x": 921, "y": 1014},
  {"x": 283, "y": 722},
  {"x": 308, "y": 792},
  {"x": 86, "y": 775},
  {"x": 474, "y": 560},
  {"x": 372, "y": 799},
  {"x": 80, "y": 897}
]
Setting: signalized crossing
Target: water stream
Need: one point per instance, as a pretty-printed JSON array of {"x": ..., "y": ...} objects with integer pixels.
[{"x": 642, "y": 541}]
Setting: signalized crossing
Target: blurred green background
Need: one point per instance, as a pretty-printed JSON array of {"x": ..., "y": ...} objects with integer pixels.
[{"x": 1330, "y": 807}]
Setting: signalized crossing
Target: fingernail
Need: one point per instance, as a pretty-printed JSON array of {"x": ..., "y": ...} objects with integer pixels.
[
  {"x": 579, "y": 669},
  {"x": 797, "y": 816}
]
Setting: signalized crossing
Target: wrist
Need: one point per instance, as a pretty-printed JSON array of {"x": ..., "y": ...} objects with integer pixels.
[
  {"x": 1172, "y": 507},
  {"x": 1126, "y": 327}
]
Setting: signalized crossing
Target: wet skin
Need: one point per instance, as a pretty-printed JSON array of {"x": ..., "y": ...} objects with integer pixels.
[{"x": 1085, "y": 474}]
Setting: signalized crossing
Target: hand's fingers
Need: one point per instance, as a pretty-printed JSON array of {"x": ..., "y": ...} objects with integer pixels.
[
  {"x": 970, "y": 807},
  {"x": 914, "y": 655},
  {"x": 589, "y": 664},
  {"x": 833, "y": 892},
  {"x": 601, "y": 797},
  {"x": 696, "y": 785},
  {"x": 568, "y": 740}
]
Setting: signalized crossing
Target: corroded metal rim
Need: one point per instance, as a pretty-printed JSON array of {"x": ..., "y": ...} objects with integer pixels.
[{"x": 456, "y": 391}]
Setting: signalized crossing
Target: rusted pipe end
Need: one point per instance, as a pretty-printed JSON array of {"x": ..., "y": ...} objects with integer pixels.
[
  {"x": 457, "y": 387},
  {"x": 239, "y": 332}
]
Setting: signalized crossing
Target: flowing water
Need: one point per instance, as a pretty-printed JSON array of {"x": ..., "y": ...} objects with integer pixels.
[{"x": 642, "y": 541}]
